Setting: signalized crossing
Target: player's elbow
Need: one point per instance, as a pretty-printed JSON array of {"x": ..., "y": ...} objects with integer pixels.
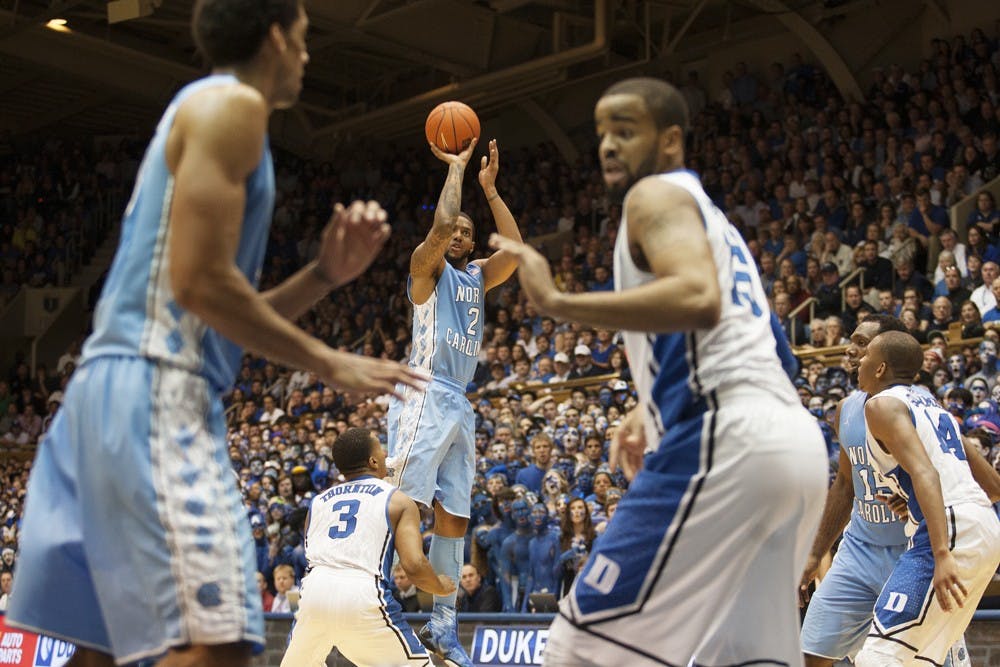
[
  {"x": 192, "y": 286},
  {"x": 706, "y": 307}
]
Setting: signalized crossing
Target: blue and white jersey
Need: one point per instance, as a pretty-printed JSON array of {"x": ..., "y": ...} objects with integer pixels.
[
  {"x": 137, "y": 315},
  {"x": 448, "y": 327},
  {"x": 673, "y": 372},
  {"x": 349, "y": 528},
  {"x": 940, "y": 435},
  {"x": 871, "y": 521}
]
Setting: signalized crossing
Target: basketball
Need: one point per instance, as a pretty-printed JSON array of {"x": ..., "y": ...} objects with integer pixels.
[{"x": 451, "y": 126}]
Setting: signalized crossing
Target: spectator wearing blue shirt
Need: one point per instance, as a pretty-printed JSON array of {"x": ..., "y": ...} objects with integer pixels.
[
  {"x": 541, "y": 460},
  {"x": 927, "y": 219},
  {"x": 985, "y": 217},
  {"x": 603, "y": 281}
]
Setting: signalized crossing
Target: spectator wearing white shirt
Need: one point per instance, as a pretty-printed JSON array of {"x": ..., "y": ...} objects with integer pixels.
[{"x": 983, "y": 296}]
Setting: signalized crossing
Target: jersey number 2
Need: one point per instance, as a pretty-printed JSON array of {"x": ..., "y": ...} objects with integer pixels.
[
  {"x": 346, "y": 512},
  {"x": 474, "y": 314}
]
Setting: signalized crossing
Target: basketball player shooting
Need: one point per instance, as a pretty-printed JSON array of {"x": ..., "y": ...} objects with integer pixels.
[{"x": 432, "y": 435}]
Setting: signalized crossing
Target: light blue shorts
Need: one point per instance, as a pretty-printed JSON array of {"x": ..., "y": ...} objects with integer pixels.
[
  {"x": 840, "y": 612},
  {"x": 432, "y": 446},
  {"x": 134, "y": 538}
]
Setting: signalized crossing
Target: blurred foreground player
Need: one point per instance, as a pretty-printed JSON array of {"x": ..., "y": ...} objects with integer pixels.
[
  {"x": 351, "y": 532},
  {"x": 135, "y": 542},
  {"x": 701, "y": 563},
  {"x": 916, "y": 450}
]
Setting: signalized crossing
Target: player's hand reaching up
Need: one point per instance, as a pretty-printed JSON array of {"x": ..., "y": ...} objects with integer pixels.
[
  {"x": 533, "y": 271},
  {"x": 488, "y": 167},
  {"x": 462, "y": 159},
  {"x": 628, "y": 446},
  {"x": 355, "y": 373},
  {"x": 947, "y": 585},
  {"x": 351, "y": 240}
]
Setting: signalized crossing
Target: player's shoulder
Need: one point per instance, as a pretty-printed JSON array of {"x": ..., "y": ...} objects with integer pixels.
[
  {"x": 659, "y": 191},
  {"x": 222, "y": 101}
]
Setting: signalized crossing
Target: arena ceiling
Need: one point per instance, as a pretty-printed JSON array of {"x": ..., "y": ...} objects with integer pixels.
[{"x": 377, "y": 66}]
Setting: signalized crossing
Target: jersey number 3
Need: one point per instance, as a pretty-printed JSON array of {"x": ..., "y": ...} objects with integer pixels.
[{"x": 346, "y": 518}]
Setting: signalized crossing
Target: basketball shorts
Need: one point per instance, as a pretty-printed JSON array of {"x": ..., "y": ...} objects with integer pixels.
[
  {"x": 432, "y": 447},
  {"x": 134, "y": 537},
  {"x": 359, "y": 616},
  {"x": 700, "y": 564},
  {"x": 840, "y": 612},
  {"x": 909, "y": 623}
]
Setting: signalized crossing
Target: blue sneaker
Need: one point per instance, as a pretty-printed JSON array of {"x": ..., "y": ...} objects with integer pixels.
[{"x": 445, "y": 645}]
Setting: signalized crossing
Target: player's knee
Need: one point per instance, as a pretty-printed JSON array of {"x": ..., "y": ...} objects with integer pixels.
[
  {"x": 869, "y": 658},
  {"x": 201, "y": 655}
]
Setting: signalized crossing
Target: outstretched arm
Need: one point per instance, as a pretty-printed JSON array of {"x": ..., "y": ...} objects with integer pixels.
[
  {"x": 427, "y": 261},
  {"x": 889, "y": 422},
  {"x": 666, "y": 233},
  {"x": 215, "y": 143},
  {"x": 351, "y": 240},
  {"x": 501, "y": 264},
  {"x": 836, "y": 514}
]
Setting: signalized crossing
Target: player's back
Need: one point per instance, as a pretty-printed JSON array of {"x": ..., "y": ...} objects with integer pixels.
[
  {"x": 349, "y": 529},
  {"x": 137, "y": 315},
  {"x": 939, "y": 434},
  {"x": 678, "y": 369},
  {"x": 871, "y": 520},
  {"x": 448, "y": 327}
]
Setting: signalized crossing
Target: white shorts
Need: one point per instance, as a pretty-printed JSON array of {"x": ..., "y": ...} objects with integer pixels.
[
  {"x": 357, "y": 614},
  {"x": 700, "y": 564},
  {"x": 909, "y": 622}
]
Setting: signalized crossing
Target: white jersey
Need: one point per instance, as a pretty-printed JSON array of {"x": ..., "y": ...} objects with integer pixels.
[
  {"x": 940, "y": 435},
  {"x": 673, "y": 372},
  {"x": 349, "y": 528}
]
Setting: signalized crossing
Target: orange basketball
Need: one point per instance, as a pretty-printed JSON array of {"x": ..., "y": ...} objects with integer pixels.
[{"x": 451, "y": 126}]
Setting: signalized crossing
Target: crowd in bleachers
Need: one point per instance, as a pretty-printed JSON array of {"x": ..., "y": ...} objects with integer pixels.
[{"x": 818, "y": 185}]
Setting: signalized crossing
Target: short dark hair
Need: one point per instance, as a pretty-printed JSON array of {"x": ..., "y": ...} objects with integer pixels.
[
  {"x": 352, "y": 449},
  {"x": 885, "y": 323},
  {"x": 665, "y": 103},
  {"x": 230, "y": 32},
  {"x": 902, "y": 353},
  {"x": 463, "y": 214}
]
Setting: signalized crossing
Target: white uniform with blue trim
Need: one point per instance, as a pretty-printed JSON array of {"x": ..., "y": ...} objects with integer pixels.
[
  {"x": 345, "y": 596},
  {"x": 431, "y": 433},
  {"x": 909, "y": 623},
  {"x": 135, "y": 538},
  {"x": 700, "y": 565},
  {"x": 840, "y": 612}
]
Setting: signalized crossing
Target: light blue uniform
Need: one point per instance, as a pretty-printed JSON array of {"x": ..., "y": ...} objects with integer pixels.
[
  {"x": 134, "y": 537},
  {"x": 432, "y": 434},
  {"x": 839, "y": 616}
]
